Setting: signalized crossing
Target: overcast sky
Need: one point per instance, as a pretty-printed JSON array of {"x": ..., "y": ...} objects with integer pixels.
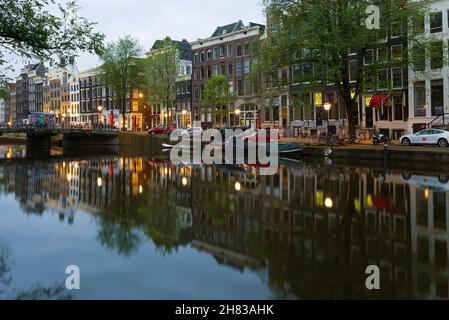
[{"x": 149, "y": 20}]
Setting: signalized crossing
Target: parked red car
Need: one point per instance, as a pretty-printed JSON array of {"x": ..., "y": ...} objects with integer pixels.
[
  {"x": 262, "y": 136},
  {"x": 162, "y": 129}
]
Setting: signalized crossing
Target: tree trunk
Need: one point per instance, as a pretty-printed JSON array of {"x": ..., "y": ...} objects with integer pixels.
[
  {"x": 351, "y": 111},
  {"x": 214, "y": 116},
  {"x": 124, "y": 113}
]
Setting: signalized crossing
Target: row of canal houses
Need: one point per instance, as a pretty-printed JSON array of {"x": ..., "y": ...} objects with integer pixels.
[{"x": 419, "y": 96}]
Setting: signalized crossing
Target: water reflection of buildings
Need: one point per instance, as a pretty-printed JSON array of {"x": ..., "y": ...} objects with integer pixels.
[
  {"x": 309, "y": 231},
  {"x": 323, "y": 217}
]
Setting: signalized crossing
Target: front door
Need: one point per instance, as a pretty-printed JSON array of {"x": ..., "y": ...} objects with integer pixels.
[
  {"x": 284, "y": 117},
  {"x": 369, "y": 117}
]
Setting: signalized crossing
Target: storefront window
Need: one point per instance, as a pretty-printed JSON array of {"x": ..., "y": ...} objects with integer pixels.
[
  {"x": 420, "y": 99},
  {"x": 437, "y": 97}
]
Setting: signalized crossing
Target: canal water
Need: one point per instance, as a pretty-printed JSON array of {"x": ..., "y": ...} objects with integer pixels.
[{"x": 140, "y": 227}]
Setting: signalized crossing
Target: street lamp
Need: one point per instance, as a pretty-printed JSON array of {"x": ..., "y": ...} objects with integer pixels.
[
  {"x": 238, "y": 187},
  {"x": 140, "y": 95},
  {"x": 237, "y": 113},
  {"x": 100, "y": 108},
  {"x": 327, "y": 107},
  {"x": 328, "y": 203}
]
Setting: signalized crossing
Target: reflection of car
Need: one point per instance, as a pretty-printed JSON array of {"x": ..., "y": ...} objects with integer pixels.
[
  {"x": 162, "y": 129},
  {"x": 429, "y": 136},
  {"x": 439, "y": 183}
]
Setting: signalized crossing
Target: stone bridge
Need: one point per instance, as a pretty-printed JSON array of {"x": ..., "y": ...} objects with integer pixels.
[{"x": 41, "y": 137}]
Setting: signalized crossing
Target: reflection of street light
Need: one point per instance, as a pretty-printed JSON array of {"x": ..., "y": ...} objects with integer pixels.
[
  {"x": 328, "y": 203},
  {"x": 99, "y": 182},
  {"x": 238, "y": 186},
  {"x": 327, "y": 107},
  {"x": 140, "y": 189},
  {"x": 184, "y": 181}
]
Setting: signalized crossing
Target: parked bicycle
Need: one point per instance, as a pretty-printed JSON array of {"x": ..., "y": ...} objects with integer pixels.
[{"x": 330, "y": 139}]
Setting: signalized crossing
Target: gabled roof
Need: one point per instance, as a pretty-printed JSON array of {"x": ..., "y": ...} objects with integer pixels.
[
  {"x": 183, "y": 46},
  {"x": 228, "y": 28}
]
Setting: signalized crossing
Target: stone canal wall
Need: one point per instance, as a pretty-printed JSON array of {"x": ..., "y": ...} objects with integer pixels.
[{"x": 394, "y": 156}]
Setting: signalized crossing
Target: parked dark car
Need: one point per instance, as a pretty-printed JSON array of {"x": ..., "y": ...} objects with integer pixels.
[{"x": 162, "y": 129}]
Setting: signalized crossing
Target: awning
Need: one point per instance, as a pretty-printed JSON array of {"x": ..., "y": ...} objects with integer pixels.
[{"x": 380, "y": 100}]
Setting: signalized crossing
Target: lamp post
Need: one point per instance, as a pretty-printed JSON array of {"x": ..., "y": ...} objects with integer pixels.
[
  {"x": 237, "y": 113},
  {"x": 327, "y": 107},
  {"x": 100, "y": 109}
]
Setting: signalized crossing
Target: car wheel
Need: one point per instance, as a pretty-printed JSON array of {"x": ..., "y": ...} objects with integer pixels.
[
  {"x": 406, "y": 142},
  {"x": 406, "y": 176},
  {"x": 442, "y": 143},
  {"x": 443, "y": 178}
]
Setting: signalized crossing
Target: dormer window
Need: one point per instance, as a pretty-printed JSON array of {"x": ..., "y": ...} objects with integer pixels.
[{"x": 224, "y": 31}]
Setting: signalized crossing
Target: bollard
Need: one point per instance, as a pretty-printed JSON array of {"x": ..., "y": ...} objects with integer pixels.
[{"x": 386, "y": 151}]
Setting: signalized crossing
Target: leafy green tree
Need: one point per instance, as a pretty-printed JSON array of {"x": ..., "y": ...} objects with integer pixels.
[
  {"x": 162, "y": 66},
  {"x": 313, "y": 42},
  {"x": 44, "y": 30},
  {"x": 122, "y": 69},
  {"x": 217, "y": 93}
]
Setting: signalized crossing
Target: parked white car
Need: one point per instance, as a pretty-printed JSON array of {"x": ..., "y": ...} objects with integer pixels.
[
  {"x": 440, "y": 183},
  {"x": 428, "y": 136}
]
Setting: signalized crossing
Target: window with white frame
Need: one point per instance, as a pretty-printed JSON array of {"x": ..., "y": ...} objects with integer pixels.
[
  {"x": 397, "y": 78},
  {"x": 370, "y": 56},
  {"x": 353, "y": 70},
  {"x": 436, "y": 22},
  {"x": 396, "y": 52},
  {"x": 382, "y": 79}
]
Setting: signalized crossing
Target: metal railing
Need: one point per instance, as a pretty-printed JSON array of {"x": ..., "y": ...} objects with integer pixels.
[
  {"x": 62, "y": 127},
  {"x": 436, "y": 121}
]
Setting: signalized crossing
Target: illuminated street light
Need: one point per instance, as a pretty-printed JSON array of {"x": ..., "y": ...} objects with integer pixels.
[
  {"x": 184, "y": 112},
  {"x": 328, "y": 203},
  {"x": 237, "y": 112},
  {"x": 140, "y": 95},
  {"x": 140, "y": 189},
  {"x": 100, "y": 108},
  {"x": 184, "y": 181},
  {"x": 238, "y": 186},
  {"x": 327, "y": 106},
  {"x": 99, "y": 182}
]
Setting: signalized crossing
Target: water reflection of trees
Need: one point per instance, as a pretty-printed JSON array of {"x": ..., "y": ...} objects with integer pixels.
[
  {"x": 35, "y": 292},
  {"x": 130, "y": 220}
]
